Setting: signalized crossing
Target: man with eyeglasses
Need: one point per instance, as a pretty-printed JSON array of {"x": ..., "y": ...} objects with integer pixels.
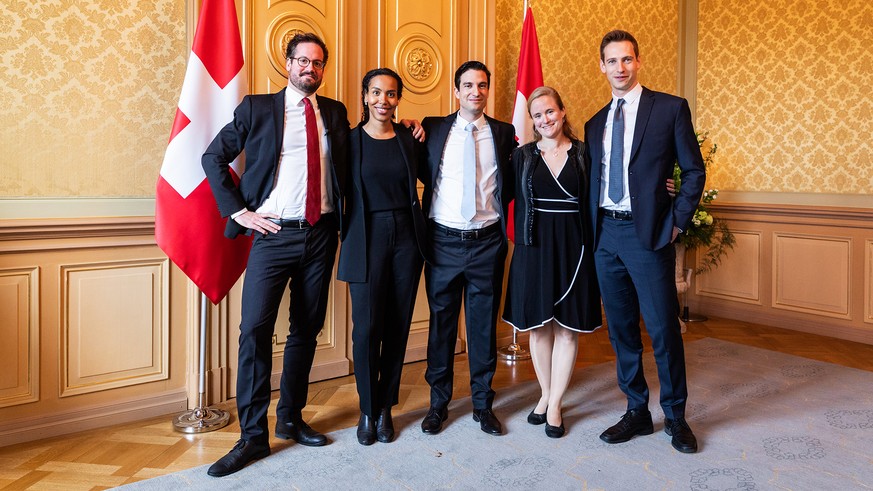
[{"x": 289, "y": 197}]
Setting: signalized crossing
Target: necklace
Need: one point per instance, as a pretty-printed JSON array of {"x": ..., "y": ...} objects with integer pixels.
[{"x": 552, "y": 152}]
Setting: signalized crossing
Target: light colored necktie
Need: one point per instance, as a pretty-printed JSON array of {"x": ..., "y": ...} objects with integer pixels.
[
  {"x": 468, "y": 202},
  {"x": 313, "y": 165},
  {"x": 616, "y": 154}
]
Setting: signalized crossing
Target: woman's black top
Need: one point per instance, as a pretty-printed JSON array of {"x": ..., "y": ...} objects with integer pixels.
[{"x": 384, "y": 174}]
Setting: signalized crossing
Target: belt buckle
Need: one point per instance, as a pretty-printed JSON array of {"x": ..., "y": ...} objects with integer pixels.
[{"x": 469, "y": 235}]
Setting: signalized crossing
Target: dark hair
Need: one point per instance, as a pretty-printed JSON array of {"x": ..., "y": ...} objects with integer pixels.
[
  {"x": 545, "y": 91},
  {"x": 365, "y": 86},
  {"x": 618, "y": 36},
  {"x": 471, "y": 65},
  {"x": 305, "y": 37}
]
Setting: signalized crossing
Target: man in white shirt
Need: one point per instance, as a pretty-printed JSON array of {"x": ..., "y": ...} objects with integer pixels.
[
  {"x": 289, "y": 197},
  {"x": 631, "y": 146},
  {"x": 464, "y": 171}
]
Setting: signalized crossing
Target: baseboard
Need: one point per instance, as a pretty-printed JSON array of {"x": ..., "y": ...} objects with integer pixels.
[
  {"x": 818, "y": 326},
  {"x": 88, "y": 418}
]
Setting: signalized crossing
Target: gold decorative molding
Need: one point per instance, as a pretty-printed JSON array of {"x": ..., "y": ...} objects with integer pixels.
[
  {"x": 812, "y": 274},
  {"x": 19, "y": 329},
  {"x": 736, "y": 280},
  {"x": 114, "y": 324},
  {"x": 868, "y": 281},
  {"x": 418, "y": 59}
]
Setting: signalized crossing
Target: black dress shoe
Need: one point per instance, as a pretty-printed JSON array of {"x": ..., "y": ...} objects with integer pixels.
[
  {"x": 487, "y": 421},
  {"x": 536, "y": 419},
  {"x": 683, "y": 439},
  {"x": 300, "y": 432},
  {"x": 366, "y": 430},
  {"x": 241, "y": 455},
  {"x": 433, "y": 421},
  {"x": 634, "y": 422},
  {"x": 385, "y": 426},
  {"x": 555, "y": 431}
]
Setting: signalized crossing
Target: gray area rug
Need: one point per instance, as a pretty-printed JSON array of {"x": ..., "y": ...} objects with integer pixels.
[{"x": 765, "y": 420}]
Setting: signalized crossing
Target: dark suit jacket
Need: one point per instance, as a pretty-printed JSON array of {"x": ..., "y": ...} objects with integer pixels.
[
  {"x": 663, "y": 135},
  {"x": 437, "y": 129},
  {"x": 258, "y": 128},
  {"x": 353, "y": 265}
]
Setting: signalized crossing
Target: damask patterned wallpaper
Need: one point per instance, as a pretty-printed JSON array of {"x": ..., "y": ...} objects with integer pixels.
[
  {"x": 88, "y": 95},
  {"x": 784, "y": 88},
  {"x": 569, "y": 33}
]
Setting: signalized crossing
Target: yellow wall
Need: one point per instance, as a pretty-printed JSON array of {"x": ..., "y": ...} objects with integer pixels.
[
  {"x": 88, "y": 95},
  {"x": 569, "y": 33},
  {"x": 784, "y": 89}
]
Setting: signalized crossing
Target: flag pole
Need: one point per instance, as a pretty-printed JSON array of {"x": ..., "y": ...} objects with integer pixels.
[
  {"x": 202, "y": 418},
  {"x": 515, "y": 352}
]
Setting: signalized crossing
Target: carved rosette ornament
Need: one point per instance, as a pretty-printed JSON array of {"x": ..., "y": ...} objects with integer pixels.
[{"x": 419, "y": 64}]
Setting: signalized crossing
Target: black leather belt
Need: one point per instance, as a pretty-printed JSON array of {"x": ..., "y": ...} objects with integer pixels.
[
  {"x": 617, "y": 214},
  {"x": 290, "y": 222},
  {"x": 475, "y": 234}
]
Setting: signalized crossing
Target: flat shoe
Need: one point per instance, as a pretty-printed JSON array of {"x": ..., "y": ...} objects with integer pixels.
[
  {"x": 555, "y": 431},
  {"x": 536, "y": 419}
]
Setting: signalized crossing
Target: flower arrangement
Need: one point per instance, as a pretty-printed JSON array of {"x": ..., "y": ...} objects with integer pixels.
[{"x": 706, "y": 230}]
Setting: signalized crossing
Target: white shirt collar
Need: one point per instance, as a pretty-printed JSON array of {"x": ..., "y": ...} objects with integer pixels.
[
  {"x": 293, "y": 97},
  {"x": 631, "y": 96},
  {"x": 480, "y": 122}
]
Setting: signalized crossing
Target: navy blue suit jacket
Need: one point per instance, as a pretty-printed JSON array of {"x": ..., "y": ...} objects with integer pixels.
[
  {"x": 663, "y": 135},
  {"x": 258, "y": 127}
]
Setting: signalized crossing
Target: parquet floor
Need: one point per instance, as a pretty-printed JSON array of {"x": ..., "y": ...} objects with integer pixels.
[{"x": 101, "y": 459}]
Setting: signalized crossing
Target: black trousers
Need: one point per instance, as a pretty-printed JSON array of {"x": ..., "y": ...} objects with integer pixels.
[
  {"x": 305, "y": 257},
  {"x": 472, "y": 270},
  {"x": 382, "y": 308}
]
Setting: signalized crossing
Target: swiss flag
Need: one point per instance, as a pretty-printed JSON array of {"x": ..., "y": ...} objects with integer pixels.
[
  {"x": 530, "y": 76},
  {"x": 188, "y": 226}
]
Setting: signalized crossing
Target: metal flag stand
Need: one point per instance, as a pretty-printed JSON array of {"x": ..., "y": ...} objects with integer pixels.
[
  {"x": 513, "y": 351},
  {"x": 686, "y": 315},
  {"x": 202, "y": 418}
]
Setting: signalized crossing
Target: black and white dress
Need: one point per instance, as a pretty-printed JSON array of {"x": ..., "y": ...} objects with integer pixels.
[{"x": 553, "y": 277}]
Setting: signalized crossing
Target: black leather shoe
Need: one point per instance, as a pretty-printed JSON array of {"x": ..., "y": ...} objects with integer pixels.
[
  {"x": 241, "y": 455},
  {"x": 555, "y": 431},
  {"x": 300, "y": 432},
  {"x": 536, "y": 419},
  {"x": 683, "y": 439},
  {"x": 487, "y": 421},
  {"x": 385, "y": 426},
  {"x": 634, "y": 422},
  {"x": 366, "y": 430},
  {"x": 433, "y": 422}
]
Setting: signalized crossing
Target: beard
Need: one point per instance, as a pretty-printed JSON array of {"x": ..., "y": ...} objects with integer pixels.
[{"x": 306, "y": 85}]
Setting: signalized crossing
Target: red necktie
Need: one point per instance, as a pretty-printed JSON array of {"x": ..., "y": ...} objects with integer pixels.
[{"x": 313, "y": 165}]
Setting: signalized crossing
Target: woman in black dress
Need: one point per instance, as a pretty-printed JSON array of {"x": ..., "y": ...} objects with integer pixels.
[
  {"x": 552, "y": 289},
  {"x": 382, "y": 250}
]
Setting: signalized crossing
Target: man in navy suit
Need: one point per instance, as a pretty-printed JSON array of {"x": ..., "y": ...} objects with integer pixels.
[
  {"x": 464, "y": 173},
  {"x": 290, "y": 197},
  {"x": 631, "y": 146}
]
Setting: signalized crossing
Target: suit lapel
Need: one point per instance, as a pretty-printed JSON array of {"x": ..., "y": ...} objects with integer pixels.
[
  {"x": 279, "y": 121},
  {"x": 595, "y": 145},
  {"x": 647, "y": 101},
  {"x": 404, "y": 138},
  {"x": 439, "y": 144}
]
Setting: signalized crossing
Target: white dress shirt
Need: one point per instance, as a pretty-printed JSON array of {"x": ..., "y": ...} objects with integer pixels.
[
  {"x": 288, "y": 197},
  {"x": 448, "y": 190},
  {"x": 631, "y": 108}
]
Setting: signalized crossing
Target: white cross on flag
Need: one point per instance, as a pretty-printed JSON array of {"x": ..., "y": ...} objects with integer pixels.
[{"x": 188, "y": 226}]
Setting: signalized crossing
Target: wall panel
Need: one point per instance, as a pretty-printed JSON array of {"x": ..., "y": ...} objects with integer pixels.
[
  {"x": 115, "y": 324},
  {"x": 19, "y": 330},
  {"x": 737, "y": 280},
  {"x": 811, "y": 274}
]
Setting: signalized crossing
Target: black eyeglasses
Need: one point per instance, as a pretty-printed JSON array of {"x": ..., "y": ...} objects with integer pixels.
[{"x": 304, "y": 62}]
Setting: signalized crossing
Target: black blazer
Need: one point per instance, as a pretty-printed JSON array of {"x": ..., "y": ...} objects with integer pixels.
[
  {"x": 258, "y": 126},
  {"x": 352, "y": 266},
  {"x": 525, "y": 160},
  {"x": 663, "y": 134},
  {"x": 437, "y": 129}
]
